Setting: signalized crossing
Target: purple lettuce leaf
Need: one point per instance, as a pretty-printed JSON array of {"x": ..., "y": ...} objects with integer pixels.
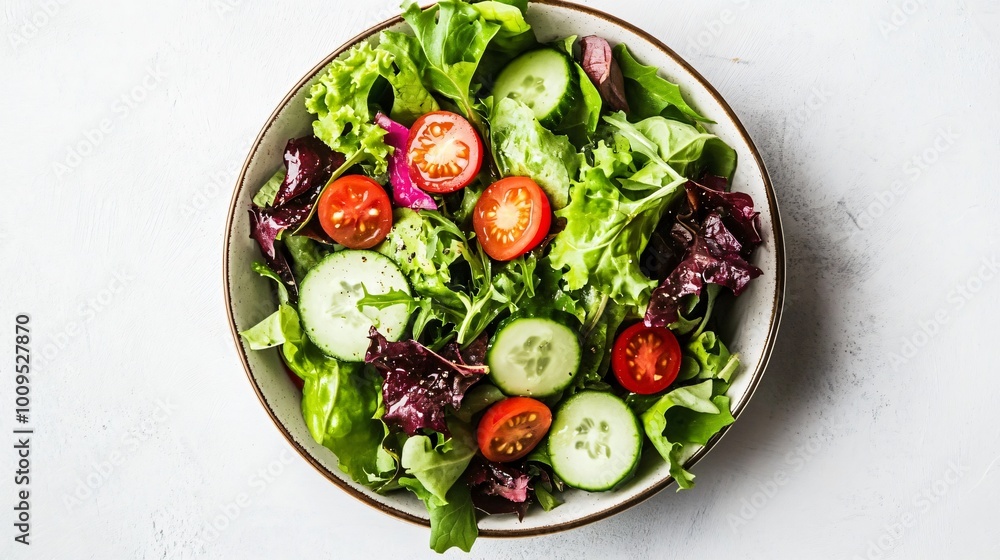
[
  {"x": 715, "y": 257},
  {"x": 736, "y": 209},
  {"x": 603, "y": 70},
  {"x": 499, "y": 487},
  {"x": 419, "y": 384},
  {"x": 404, "y": 192},
  {"x": 308, "y": 164}
]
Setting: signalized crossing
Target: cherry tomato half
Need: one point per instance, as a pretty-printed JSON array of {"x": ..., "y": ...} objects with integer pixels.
[
  {"x": 444, "y": 152},
  {"x": 646, "y": 360},
  {"x": 513, "y": 427},
  {"x": 511, "y": 217},
  {"x": 355, "y": 212}
]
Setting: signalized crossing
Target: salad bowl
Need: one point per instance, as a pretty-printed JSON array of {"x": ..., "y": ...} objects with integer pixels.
[{"x": 749, "y": 326}]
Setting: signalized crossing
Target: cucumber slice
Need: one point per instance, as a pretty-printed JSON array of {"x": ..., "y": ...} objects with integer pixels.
[
  {"x": 533, "y": 356},
  {"x": 594, "y": 442},
  {"x": 545, "y": 80},
  {"x": 328, "y": 302}
]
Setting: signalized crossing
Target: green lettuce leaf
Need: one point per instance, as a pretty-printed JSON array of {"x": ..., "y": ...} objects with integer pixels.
[
  {"x": 439, "y": 469},
  {"x": 411, "y": 99},
  {"x": 596, "y": 349},
  {"x": 582, "y": 119},
  {"x": 683, "y": 419},
  {"x": 648, "y": 94},
  {"x": 453, "y": 37},
  {"x": 306, "y": 253},
  {"x": 339, "y": 405},
  {"x": 265, "y": 196},
  {"x": 340, "y": 101},
  {"x": 668, "y": 149},
  {"x": 604, "y": 252},
  {"x": 453, "y": 524},
  {"x": 712, "y": 357},
  {"x": 523, "y": 147},
  {"x": 514, "y": 36}
]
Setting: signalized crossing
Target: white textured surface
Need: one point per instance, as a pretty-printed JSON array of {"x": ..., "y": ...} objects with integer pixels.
[{"x": 845, "y": 451}]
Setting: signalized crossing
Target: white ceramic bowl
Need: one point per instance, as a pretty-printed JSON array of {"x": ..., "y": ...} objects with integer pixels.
[{"x": 751, "y": 322}]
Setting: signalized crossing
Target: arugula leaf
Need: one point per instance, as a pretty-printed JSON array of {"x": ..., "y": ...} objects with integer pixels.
[
  {"x": 437, "y": 470},
  {"x": 523, "y": 147},
  {"x": 682, "y": 419},
  {"x": 648, "y": 94},
  {"x": 453, "y": 37},
  {"x": 453, "y": 524},
  {"x": 411, "y": 99},
  {"x": 340, "y": 101}
]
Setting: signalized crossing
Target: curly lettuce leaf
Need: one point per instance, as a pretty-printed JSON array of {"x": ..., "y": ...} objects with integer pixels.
[
  {"x": 648, "y": 94},
  {"x": 523, "y": 147},
  {"x": 453, "y": 37},
  {"x": 453, "y": 523},
  {"x": 340, "y": 102},
  {"x": 683, "y": 419},
  {"x": 265, "y": 196},
  {"x": 410, "y": 98},
  {"x": 438, "y": 469},
  {"x": 604, "y": 252},
  {"x": 713, "y": 359}
]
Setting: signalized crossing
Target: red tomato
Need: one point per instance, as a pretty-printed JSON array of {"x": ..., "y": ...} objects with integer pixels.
[
  {"x": 355, "y": 212},
  {"x": 511, "y": 217},
  {"x": 444, "y": 152},
  {"x": 513, "y": 427},
  {"x": 646, "y": 360}
]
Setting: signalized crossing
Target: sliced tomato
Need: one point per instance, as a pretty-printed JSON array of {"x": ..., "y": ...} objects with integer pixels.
[
  {"x": 511, "y": 217},
  {"x": 513, "y": 427},
  {"x": 355, "y": 212},
  {"x": 646, "y": 360},
  {"x": 444, "y": 152}
]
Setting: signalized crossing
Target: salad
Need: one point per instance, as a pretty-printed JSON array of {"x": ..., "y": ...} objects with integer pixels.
[{"x": 496, "y": 262}]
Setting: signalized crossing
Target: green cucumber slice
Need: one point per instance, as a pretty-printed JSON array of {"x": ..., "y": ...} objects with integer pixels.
[
  {"x": 533, "y": 356},
  {"x": 595, "y": 442},
  {"x": 545, "y": 80},
  {"x": 328, "y": 302}
]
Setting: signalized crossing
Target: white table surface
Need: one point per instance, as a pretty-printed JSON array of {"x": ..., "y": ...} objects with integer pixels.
[{"x": 878, "y": 121}]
